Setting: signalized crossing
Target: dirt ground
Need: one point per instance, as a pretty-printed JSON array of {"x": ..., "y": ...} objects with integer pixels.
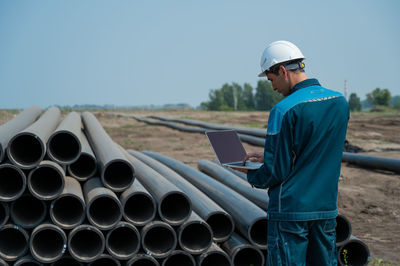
[{"x": 370, "y": 199}]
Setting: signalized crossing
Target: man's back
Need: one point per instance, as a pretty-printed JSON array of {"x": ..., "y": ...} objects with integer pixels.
[{"x": 306, "y": 133}]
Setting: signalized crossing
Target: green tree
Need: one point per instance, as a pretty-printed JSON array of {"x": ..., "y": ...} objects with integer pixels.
[
  {"x": 238, "y": 97},
  {"x": 379, "y": 97},
  {"x": 265, "y": 97},
  {"x": 248, "y": 97},
  {"x": 354, "y": 102},
  {"x": 227, "y": 95},
  {"x": 216, "y": 100}
]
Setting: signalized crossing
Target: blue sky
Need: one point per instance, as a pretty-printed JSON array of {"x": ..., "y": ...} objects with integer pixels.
[{"x": 175, "y": 51}]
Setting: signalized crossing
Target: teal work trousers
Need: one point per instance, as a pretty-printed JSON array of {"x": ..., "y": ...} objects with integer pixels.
[{"x": 302, "y": 243}]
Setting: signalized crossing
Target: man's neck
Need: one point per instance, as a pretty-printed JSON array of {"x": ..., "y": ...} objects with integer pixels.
[{"x": 296, "y": 78}]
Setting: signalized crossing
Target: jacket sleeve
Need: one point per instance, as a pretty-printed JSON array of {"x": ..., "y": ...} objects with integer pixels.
[{"x": 278, "y": 152}]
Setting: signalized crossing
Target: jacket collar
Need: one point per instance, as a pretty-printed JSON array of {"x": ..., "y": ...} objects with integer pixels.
[{"x": 304, "y": 84}]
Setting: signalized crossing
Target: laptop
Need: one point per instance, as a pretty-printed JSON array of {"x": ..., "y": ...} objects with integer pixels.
[{"x": 229, "y": 149}]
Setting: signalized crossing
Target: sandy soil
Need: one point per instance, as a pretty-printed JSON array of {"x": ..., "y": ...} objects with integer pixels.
[{"x": 370, "y": 199}]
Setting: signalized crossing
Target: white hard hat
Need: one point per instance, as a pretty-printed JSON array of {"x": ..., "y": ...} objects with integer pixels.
[{"x": 279, "y": 52}]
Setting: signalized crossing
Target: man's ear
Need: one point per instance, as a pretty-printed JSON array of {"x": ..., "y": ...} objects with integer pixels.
[{"x": 283, "y": 70}]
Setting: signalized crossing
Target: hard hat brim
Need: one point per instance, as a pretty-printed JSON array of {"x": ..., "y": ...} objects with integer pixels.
[{"x": 262, "y": 74}]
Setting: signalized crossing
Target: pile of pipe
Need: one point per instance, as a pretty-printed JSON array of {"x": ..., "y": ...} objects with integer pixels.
[{"x": 69, "y": 195}]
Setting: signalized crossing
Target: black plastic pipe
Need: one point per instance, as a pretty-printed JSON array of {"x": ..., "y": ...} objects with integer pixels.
[
  {"x": 4, "y": 213},
  {"x": 68, "y": 210},
  {"x": 105, "y": 260},
  {"x": 86, "y": 165},
  {"x": 12, "y": 182},
  {"x": 220, "y": 173},
  {"x": 46, "y": 181},
  {"x": 250, "y": 219},
  {"x": 258, "y": 141},
  {"x": 138, "y": 205},
  {"x": 116, "y": 172},
  {"x": 4, "y": 263},
  {"x": 67, "y": 260},
  {"x": 13, "y": 242},
  {"x": 247, "y": 131},
  {"x": 194, "y": 235},
  {"x": 15, "y": 125},
  {"x": 142, "y": 260},
  {"x": 27, "y": 260},
  {"x": 103, "y": 208},
  {"x": 220, "y": 221},
  {"x": 353, "y": 252},
  {"x": 28, "y": 148},
  {"x": 179, "y": 258},
  {"x": 213, "y": 256},
  {"x": 241, "y": 252},
  {"x": 48, "y": 243},
  {"x": 343, "y": 230},
  {"x": 64, "y": 145},
  {"x": 376, "y": 162},
  {"x": 239, "y": 174},
  {"x": 174, "y": 206},
  {"x": 158, "y": 239},
  {"x": 28, "y": 211},
  {"x": 86, "y": 243},
  {"x": 123, "y": 241}
]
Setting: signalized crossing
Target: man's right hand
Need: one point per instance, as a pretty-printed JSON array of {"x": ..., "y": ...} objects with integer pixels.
[{"x": 254, "y": 157}]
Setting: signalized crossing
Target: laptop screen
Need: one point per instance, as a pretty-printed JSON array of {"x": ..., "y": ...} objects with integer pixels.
[{"x": 227, "y": 145}]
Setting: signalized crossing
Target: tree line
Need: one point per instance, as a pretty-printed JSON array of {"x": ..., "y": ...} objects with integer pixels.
[
  {"x": 376, "y": 100},
  {"x": 233, "y": 97}
]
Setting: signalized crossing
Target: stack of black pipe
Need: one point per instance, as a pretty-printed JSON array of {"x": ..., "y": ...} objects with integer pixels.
[{"x": 70, "y": 196}]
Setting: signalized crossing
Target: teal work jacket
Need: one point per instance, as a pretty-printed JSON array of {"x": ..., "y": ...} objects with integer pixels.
[{"x": 302, "y": 154}]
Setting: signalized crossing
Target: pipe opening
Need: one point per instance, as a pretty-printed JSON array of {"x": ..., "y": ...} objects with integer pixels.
[
  {"x": 248, "y": 256},
  {"x": 11, "y": 183},
  {"x": 144, "y": 261},
  {"x": 139, "y": 208},
  {"x": 86, "y": 244},
  {"x": 196, "y": 237},
  {"x": 13, "y": 243},
  {"x": 179, "y": 259},
  {"x": 84, "y": 167},
  {"x": 26, "y": 150},
  {"x": 258, "y": 231},
  {"x": 27, "y": 262},
  {"x": 66, "y": 261},
  {"x": 221, "y": 226},
  {"x": 124, "y": 241},
  {"x": 175, "y": 208},
  {"x": 159, "y": 240},
  {"x": 215, "y": 259},
  {"x": 343, "y": 229},
  {"x": 3, "y": 214},
  {"x": 28, "y": 211},
  {"x": 106, "y": 261},
  {"x": 118, "y": 175},
  {"x": 64, "y": 147},
  {"x": 46, "y": 182},
  {"x": 354, "y": 253},
  {"x": 47, "y": 244},
  {"x": 68, "y": 211},
  {"x": 104, "y": 211}
]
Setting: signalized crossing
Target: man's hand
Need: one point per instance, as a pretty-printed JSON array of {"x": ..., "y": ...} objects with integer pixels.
[{"x": 254, "y": 157}]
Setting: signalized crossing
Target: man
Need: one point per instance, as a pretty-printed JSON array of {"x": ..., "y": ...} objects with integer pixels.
[{"x": 302, "y": 157}]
